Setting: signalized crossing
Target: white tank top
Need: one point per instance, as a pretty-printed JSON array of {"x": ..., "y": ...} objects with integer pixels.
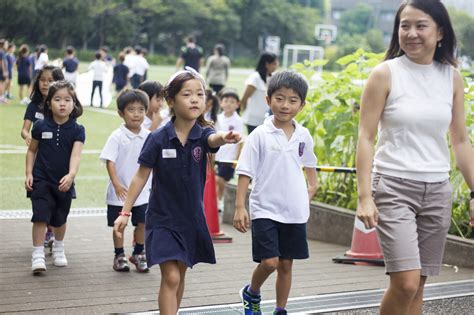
[{"x": 413, "y": 126}]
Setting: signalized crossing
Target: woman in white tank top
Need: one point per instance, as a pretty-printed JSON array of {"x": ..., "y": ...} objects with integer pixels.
[{"x": 411, "y": 101}]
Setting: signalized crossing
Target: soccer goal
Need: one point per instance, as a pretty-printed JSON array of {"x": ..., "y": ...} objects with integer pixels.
[{"x": 299, "y": 53}]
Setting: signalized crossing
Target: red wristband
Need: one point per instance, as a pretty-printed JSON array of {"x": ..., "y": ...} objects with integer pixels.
[{"x": 123, "y": 213}]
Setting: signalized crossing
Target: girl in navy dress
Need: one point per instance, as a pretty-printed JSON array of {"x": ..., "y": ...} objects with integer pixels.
[
  {"x": 176, "y": 234},
  {"x": 52, "y": 162}
]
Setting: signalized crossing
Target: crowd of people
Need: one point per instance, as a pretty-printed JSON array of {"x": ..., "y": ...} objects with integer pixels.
[{"x": 157, "y": 159}]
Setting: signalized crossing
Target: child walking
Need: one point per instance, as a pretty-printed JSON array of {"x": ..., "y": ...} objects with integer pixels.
[
  {"x": 176, "y": 233},
  {"x": 155, "y": 117},
  {"x": 52, "y": 162},
  {"x": 273, "y": 157},
  {"x": 228, "y": 120},
  {"x": 99, "y": 69},
  {"x": 25, "y": 71},
  {"x": 120, "y": 155}
]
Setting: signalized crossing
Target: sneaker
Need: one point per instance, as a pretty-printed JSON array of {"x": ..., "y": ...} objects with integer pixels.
[
  {"x": 280, "y": 312},
  {"x": 49, "y": 240},
  {"x": 139, "y": 261},
  {"x": 251, "y": 302},
  {"x": 38, "y": 264},
  {"x": 120, "y": 263},
  {"x": 25, "y": 101},
  {"x": 59, "y": 257}
]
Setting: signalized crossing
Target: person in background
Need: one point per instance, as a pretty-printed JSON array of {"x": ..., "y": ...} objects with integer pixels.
[
  {"x": 70, "y": 65},
  {"x": 121, "y": 71},
  {"x": 11, "y": 60},
  {"x": 191, "y": 55},
  {"x": 99, "y": 69},
  {"x": 217, "y": 69},
  {"x": 25, "y": 72}
]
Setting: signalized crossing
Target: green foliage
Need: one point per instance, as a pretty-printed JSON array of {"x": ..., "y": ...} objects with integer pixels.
[
  {"x": 463, "y": 25},
  {"x": 331, "y": 114},
  {"x": 357, "y": 20}
]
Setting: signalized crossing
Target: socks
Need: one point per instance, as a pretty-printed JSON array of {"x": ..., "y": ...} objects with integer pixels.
[
  {"x": 38, "y": 251},
  {"x": 279, "y": 309},
  {"x": 256, "y": 293},
  {"x": 119, "y": 251},
  {"x": 58, "y": 244},
  {"x": 138, "y": 249}
]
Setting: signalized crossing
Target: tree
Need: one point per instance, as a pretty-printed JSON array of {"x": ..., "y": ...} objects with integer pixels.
[{"x": 358, "y": 20}]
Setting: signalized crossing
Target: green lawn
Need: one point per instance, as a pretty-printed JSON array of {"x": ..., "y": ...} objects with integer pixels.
[{"x": 91, "y": 180}]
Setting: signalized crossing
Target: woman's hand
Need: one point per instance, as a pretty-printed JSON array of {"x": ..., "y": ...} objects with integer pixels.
[{"x": 367, "y": 212}]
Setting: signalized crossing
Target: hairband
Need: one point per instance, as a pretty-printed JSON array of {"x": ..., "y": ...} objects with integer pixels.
[{"x": 189, "y": 70}]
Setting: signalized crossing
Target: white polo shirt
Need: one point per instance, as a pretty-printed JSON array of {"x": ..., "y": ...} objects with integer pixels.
[
  {"x": 257, "y": 107},
  {"x": 279, "y": 190},
  {"x": 228, "y": 152},
  {"x": 123, "y": 147}
]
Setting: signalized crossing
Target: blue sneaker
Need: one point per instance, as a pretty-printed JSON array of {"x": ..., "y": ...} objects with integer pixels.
[
  {"x": 250, "y": 301},
  {"x": 279, "y": 312}
]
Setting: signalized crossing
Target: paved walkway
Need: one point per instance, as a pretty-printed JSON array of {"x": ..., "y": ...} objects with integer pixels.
[{"x": 90, "y": 286}]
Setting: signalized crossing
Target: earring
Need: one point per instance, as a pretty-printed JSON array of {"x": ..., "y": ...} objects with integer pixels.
[{"x": 439, "y": 44}]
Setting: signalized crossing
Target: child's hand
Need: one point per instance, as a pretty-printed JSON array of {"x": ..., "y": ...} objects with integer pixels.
[
  {"x": 121, "y": 191},
  {"x": 231, "y": 137},
  {"x": 241, "y": 220},
  {"x": 66, "y": 182},
  {"x": 29, "y": 182},
  {"x": 27, "y": 141},
  {"x": 119, "y": 225}
]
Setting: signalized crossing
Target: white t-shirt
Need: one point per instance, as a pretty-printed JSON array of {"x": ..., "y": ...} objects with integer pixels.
[
  {"x": 257, "y": 106},
  {"x": 279, "y": 190},
  {"x": 141, "y": 65},
  {"x": 130, "y": 61},
  {"x": 99, "y": 68},
  {"x": 228, "y": 152},
  {"x": 42, "y": 61},
  {"x": 415, "y": 121},
  {"x": 123, "y": 148}
]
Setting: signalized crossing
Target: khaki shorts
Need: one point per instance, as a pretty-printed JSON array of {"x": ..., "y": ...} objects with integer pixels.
[{"x": 414, "y": 218}]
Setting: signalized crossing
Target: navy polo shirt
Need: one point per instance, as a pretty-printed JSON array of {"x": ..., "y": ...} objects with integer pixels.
[
  {"x": 23, "y": 64},
  {"x": 179, "y": 175},
  {"x": 70, "y": 64},
  {"x": 55, "y": 148},
  {"x": 120, "y": 74},
  {"x": 34, "y": 112}
]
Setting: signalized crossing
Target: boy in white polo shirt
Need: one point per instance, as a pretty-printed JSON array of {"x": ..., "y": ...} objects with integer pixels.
[
  {"x": 226, "y": 121},
  {"x": 120, "y": 154},
  {"x": 274, "y": 157}
]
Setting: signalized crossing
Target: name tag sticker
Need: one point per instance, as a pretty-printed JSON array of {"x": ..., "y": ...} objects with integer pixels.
[
  {"x": 39, "y": 115},
  {"x": 47, "y": 135},
  {"x": 169, "y": 153}
]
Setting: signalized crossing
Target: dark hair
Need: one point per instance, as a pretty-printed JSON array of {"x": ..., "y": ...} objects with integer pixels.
[
  {"x": 229, "y": 93},
  {"x": 41, "y": 49},
  {"x": 121, "y": 56},
  {"x": 290, "y": 80},
  {"x": 10, "y": 45},
  {"x": 265, "y": 58},
  {"x": 69, "y": 50},
  {"x": 438, "y": 12},
  {"x": 138, "y": 49},
  {"x": 215, "y": 104},
  {"x": 59, "y": 85},
  {"x": 175, "y": 84},
  {"x": 220, "y": 49},
  {"x": 23, "y": 53},
  {"x": 190, "y": 39},
  {"x": 105, "y": 49},
  {"x": 151, "y": 88},
  {"x": 36, "y": 95},
  {"x": 129, "y": 96},
  {"x": 98, "y": 55}
]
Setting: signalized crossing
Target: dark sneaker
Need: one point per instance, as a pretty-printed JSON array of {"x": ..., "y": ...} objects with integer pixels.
[
  {"x": 120, "y": 263},
  {"x": 250, "y": 302},
  {"x": 139, "y": 261},
  {"x": 280, "y": 312},
  {"x": 49, "y": 240}
]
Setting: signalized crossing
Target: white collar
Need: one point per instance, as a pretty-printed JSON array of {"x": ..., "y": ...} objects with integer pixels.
[{"x": 142, "y": 134}]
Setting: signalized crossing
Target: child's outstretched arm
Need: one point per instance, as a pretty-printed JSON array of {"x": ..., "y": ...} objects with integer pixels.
[
  {"x": 220, "y": 138},
  {"x": 136, "y": 187},
  {"x": 66, "y": 182},
  {"x": 312, "y": 180},
  {"x": 241, "y": 217},
  {"x": 25, "y": 131},
  {"x": 30, "y": 161},
  {"x": 120, "y": 190}
]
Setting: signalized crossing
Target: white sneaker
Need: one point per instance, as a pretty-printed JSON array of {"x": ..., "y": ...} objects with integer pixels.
[
  {"x": 38, "y": 264},
  {"x": 25, "y": 101},
  {"x": 59, "y": 257}
]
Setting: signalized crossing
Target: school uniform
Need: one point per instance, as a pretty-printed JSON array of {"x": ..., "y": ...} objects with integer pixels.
[
  {"x": 51, "y": 164},
  {"x": 279, "y": 205},
  {"x": 70, "y": 65},
  {"x": 123, "y": 148},
  {"x": 34, "y": 111},
  {"x": 176, "y": 227},
  {"x": 120, "y": 76},
  {"x": 228, "y": 152},
  {"x": 24, "y": 70},
  {"x": 10, "y": 62}
]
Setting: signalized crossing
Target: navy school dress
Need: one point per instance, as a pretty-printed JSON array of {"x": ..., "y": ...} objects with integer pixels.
[{"x": 176, "y": 227}]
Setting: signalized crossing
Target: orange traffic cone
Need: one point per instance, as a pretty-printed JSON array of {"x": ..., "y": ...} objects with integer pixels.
[
  {"x": 365, "y": 247},
  {"x": 210, "y": 208}
]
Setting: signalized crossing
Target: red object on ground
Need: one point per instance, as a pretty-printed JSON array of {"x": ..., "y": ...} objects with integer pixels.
[
  {"x": 210, "y": 208},
  {"x": 365, "y": 243}
]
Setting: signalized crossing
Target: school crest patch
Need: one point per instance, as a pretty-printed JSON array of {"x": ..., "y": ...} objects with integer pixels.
[
  {"x": 301, "y": 149},
  {"x": 231, "y": 127},
  {"x": 197, "y": 154}
]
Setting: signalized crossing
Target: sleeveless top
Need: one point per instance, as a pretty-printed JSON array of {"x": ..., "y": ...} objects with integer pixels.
[{"x": 412, "y": 130}]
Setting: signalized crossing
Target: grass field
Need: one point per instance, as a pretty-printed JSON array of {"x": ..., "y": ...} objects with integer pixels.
[{"x": 92, "y": 179}]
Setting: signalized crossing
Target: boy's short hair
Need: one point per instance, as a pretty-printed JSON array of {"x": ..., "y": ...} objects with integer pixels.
[
  {"x": 290, "y": 80},
  {"x": 229, "y": 93},
  {"x": 129, "y": 96},
  {"x": 98, "y": 55},
  {"x": 69, "y": 50}
]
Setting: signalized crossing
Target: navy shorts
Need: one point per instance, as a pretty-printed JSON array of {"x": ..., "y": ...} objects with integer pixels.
[
  {"x": 24, "y": 80},
  {"x": 225, "y": 170},
  {"x": 272, "y": 239},
  {"x": 138, "y": 214},
  {"x": 49, "y": 204}
]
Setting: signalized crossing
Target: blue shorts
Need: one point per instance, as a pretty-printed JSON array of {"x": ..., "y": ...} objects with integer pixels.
[
  {"x": 272, "y": 239},
  {"x": 49, "y": 204},
  {"x": 225, "y": 170},
  {"x": 138, "y": 214}
]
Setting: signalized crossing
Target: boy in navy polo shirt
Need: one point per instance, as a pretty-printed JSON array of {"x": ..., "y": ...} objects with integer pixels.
[
  {"x": 70, "y": 65},
  {"x": 120, "y": 77},
  {"x": 52, "y": 162},
  {"x": 273, "y": 157},
  {"x": 120, "y": 154}
]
